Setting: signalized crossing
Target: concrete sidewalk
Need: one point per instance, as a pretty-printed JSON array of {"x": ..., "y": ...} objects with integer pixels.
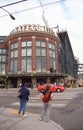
[{"x": 10, "y": 121}]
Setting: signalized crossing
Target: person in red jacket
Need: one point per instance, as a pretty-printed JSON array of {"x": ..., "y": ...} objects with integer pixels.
[{"x": 47, "y": 104}]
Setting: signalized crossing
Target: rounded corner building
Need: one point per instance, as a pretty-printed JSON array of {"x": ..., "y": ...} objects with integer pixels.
[{"x": 31, "y": 55}]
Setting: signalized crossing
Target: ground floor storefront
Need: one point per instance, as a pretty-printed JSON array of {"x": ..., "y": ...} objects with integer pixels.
[{"x": 32, "y": 81}]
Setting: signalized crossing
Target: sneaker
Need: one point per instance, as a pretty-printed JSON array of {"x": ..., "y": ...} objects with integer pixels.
[
  {"x": 46, "y": 120},
  {"x": 18, "y": 115},
  {"x": 24, "y": 115},
  {"x": 40, "y": 119}
]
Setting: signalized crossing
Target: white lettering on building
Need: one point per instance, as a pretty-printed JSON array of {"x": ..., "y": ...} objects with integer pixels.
[{"x": 32, "y": 27}]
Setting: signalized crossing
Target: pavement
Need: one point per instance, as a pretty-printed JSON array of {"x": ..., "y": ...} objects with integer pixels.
[{"x": 10, "y": 121}]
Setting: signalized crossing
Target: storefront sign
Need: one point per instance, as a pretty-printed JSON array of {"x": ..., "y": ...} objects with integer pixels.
[{"x": 32, "y": 27}]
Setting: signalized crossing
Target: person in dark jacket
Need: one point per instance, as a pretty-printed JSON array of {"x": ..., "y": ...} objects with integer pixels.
[{"x": 24, "y": 97}]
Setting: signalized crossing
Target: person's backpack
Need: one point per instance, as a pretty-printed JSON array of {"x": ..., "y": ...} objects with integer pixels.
[{"x": 47, "y": 96}]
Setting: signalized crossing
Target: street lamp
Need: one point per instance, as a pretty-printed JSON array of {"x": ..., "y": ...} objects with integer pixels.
[{"x": 11, "y": 16}]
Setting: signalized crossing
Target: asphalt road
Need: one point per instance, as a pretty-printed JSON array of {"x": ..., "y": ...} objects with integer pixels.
[{"x": 70, "y": 116}]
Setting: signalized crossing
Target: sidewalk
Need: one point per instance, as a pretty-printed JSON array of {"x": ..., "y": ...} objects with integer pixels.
[{"x": 10, "y": 121}]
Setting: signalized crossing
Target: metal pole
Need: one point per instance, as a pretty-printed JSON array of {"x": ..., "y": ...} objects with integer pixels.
[{"x": 11, "y": 16}]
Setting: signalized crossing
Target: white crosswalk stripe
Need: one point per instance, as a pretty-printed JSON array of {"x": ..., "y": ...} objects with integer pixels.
[{"x": 60, "y": 100}]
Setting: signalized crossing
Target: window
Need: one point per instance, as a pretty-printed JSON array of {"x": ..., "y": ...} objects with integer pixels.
[
  {"x": 12, "y": 54},
  {"x": 2, "y": 58},
  {"x": 13, "y": 67},
  {"x": 26, "y": 56},
  {"x": 52, "y": 57},
  {"x": 26, "y": 65},
  {"x": 40, "y": 56},
  {"x": 38, "y": 65},
  {"x": 26, "y": 43},
  {"x": 23, "y": 65},
  {"x": 24, "y": 52},
  {"x": 23, "y": 44},
  {"x": 38, "y": 52},
  {"x": 41, "y": 65},
  {"x": 29, "y": 52},
  {"x": 43, "y": 51},
  {"x": 15, "y": 53},
  {"x": 14, "y": 45},
  {"x": 43, "y": 44},
  {"x": 29, "y": 43},
  {"x": 51, "y": 46},
  {"x": 52, "y": 64},
  {"x": 29, "y": 65},
  {"x": 0, "y": 50},
  {"x": 38, "y": 43},
  {"x": 4, "y": 51}
]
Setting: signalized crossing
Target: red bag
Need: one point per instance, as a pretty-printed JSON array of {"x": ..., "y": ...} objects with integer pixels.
[{"x": 46, "y": 97}]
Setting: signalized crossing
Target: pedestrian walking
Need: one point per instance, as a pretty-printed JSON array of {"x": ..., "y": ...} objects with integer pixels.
[
  {"x": 46, "y": 97},
  {"x": 24, "y": 94}
]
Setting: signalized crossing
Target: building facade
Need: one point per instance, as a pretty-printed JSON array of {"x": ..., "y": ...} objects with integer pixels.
[{"x": 30, "y": 54}]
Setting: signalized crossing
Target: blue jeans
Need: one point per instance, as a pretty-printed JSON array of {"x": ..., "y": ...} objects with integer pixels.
[{"x": 22, "y": 107}]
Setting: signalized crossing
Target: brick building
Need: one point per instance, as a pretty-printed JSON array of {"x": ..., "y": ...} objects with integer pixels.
[{"x": 31, "y": 54}]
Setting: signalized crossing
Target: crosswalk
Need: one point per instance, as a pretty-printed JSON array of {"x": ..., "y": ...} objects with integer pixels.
[{"x": 60, "y": 100}]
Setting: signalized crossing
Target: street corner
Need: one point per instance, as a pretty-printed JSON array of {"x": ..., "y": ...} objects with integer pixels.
[{"x": 15, "y": 112}]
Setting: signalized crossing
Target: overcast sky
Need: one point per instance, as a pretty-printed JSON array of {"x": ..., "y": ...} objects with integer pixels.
[{"x": 68, "y": 14}]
